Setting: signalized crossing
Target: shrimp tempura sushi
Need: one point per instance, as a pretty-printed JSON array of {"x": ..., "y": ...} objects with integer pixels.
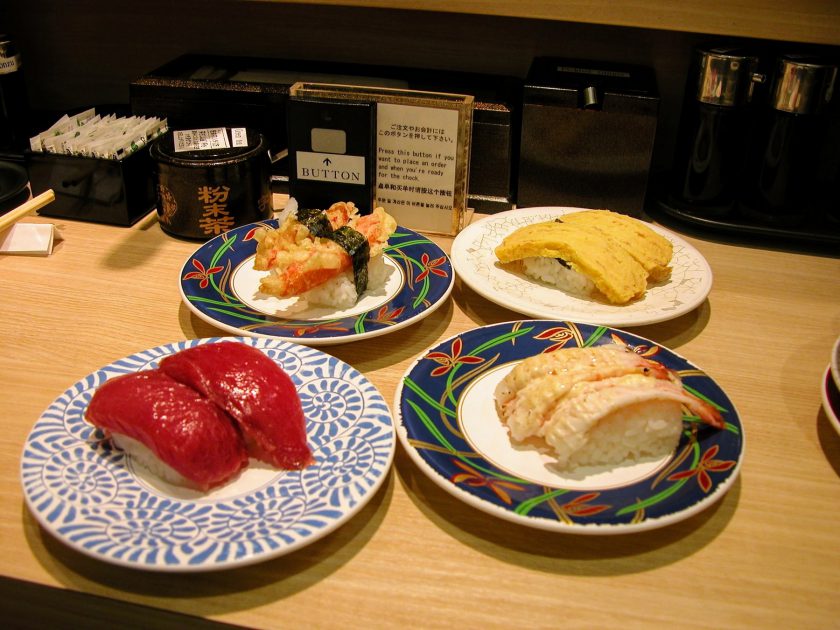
[{"x": 325, "y": 257}]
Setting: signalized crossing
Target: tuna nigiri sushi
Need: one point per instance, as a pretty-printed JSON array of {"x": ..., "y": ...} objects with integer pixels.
[
  {"x": 172, "y": 429},
  {"x": 603, "y": 405},
  {"x": 324, "y": 257},
  {"x": 254, "y": 391}
]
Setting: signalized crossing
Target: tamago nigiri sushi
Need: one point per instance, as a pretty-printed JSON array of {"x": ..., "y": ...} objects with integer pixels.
[{"x": 324, "y": 257}]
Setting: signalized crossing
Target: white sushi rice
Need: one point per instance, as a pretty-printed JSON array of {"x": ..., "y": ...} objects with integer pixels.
[
  {"x": 646, "y": 430},
  {"x": 340, "y": 292},
  {"x": 145, "y": 457},
  {"x": 553, "y": 272}
]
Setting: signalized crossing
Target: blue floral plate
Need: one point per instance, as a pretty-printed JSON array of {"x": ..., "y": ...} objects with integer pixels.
[
  {"x": 220, "y": 285},
  {"x": 97, "y": 500},
  {"x": 447, "y": 421}
]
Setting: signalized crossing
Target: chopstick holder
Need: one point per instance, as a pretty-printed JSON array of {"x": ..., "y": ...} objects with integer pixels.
[{"x": 33, "y": 239}]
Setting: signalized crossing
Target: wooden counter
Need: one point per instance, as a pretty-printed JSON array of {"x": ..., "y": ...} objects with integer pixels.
[
  {"x": 766, "y": 556},
  {"x": 814, "y": 21}
]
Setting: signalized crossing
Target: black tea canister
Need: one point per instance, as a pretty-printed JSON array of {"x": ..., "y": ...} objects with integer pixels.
[{"x": 212, "y": 180}]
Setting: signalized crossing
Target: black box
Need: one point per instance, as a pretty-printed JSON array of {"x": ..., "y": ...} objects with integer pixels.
[
  {"x": 587, "y": 135},
  {"x": 196, "y": 91},
  {"x": 118, "y": 192},
  {"x": 340, "y": 165}
]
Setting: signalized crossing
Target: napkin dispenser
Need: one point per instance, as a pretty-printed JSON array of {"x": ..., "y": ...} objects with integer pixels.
[
  {"x": 116, "y": 192},
  {"x": 587, "y": 135}
]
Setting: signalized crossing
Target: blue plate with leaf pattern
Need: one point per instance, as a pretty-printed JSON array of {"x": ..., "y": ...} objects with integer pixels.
[
  {"x": 219, "y": 284},
  {"x": 447, "y": 421},
  {"x": 99, "y": 501}
]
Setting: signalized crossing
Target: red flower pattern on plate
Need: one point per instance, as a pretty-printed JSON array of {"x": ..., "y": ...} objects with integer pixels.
[
  {"x": 560, "y": 335},
  {"x": 707, "y": 464},
  {"x": 384, "y": 316},
  {"x": 581, "y": 506},
  {"x": 201, "y": 274},
  {"x": 643, "y": 350},
  {"x": 473, "y": 478},
  {"x": 311, "y": 330},
  {"x": 431, "y": 266},
  {"x": 250, "y": 234},
  {"x": 449, "y": 361}
]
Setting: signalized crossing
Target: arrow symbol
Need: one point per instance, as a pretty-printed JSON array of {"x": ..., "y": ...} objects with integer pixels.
[{"x": 327, "y": 161}]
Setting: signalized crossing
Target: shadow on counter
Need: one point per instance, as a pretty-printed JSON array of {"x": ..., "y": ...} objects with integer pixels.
[
  {"x": 561, "y": 553},
  {"x": 364, "y": 355}
]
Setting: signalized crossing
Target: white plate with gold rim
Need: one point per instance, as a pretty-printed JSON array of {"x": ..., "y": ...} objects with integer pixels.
[{"x": 476, "y": 264}]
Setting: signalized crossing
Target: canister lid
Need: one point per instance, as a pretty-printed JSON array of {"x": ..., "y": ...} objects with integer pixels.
[
  {"x": 803, "y": 84},
  {"x": 726, "y": 75},
  {"x": 218, "y": 146}
]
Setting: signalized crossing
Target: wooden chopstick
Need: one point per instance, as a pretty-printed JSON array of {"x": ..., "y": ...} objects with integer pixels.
[{"x": 12, "y": 216}]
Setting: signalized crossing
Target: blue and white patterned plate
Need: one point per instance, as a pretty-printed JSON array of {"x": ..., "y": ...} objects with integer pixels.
[
  {"x": 98, "y": 501},
  {"x": 219, "y": 284},
  {"x": 447, "y": 421}
]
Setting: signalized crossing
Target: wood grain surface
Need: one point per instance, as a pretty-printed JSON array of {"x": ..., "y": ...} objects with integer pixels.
[
  {"x": 766, "y": 556},
  {"x": 814, "y": 21}
]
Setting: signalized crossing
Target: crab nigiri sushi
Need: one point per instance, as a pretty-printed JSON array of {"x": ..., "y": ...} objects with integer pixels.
[
  {"x": 595, "y": 406},
  {"x": 324, "y": 257},
  {"x": 170, "y": 428}
]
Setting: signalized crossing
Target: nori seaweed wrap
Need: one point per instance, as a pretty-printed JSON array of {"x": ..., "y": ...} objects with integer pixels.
[
  {"x": 316, "y": 221},
  {"x": 353, "y": 242},
  {"x": 357, "y": 246}
]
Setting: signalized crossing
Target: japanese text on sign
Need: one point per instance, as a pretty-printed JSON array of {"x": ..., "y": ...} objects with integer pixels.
[
  {"x": 415, "y": 159},
  {"x": 207, "y": 139}
]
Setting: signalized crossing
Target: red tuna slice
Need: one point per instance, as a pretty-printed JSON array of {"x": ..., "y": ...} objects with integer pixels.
[
  {"x": 186, "y": 431},
  {"x": 255, "y": 391}
]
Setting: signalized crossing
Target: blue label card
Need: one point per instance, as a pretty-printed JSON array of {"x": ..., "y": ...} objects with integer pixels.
[{"x": 331, "y": 152}]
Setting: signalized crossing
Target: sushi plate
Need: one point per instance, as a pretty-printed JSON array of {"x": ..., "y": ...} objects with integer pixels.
[
  {"x": 830, "y": 394},
  {"x": 219, "y": 284},
  {"x": 476, "y": 264},
  {"x": 447, "y": 421},
  {"x": 99, "y": 501}
]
